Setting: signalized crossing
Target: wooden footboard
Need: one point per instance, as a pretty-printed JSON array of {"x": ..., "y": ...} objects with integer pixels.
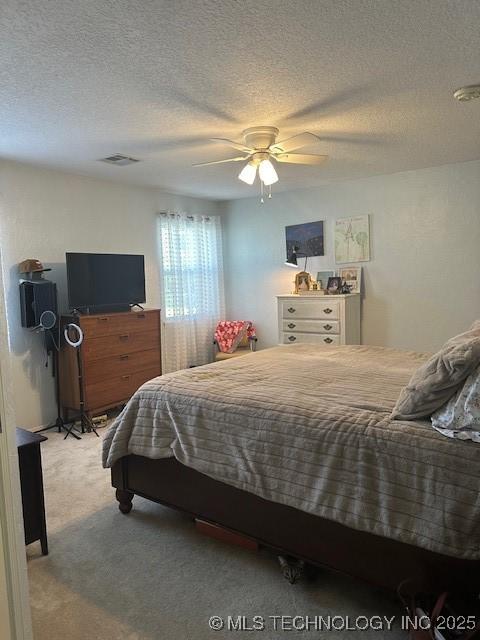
[{"x": 318, "y": 541}]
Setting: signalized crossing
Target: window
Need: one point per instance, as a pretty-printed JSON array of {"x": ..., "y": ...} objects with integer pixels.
[{"x": 192, "y": 286}]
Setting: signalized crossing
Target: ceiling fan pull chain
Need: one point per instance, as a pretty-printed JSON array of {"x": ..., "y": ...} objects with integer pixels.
[
  {"x": 261, "y": 192},
  {"x": 269, "y": 190}
]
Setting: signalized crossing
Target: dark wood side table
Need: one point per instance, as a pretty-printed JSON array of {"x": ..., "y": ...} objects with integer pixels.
[{"x": 31, "y": 480}]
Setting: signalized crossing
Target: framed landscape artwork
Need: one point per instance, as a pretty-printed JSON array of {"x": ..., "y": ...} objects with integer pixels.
[
  {"x": 352, "y": 239},
  {"x": 307, "y": 237}
]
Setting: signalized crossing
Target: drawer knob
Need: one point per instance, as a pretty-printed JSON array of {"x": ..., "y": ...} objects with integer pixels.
[
  {"x": 140, "y": 316},
  {"x": 291, "y": 325},
  {"x": 292, "y": 338},
  {"x": 124, "y": 337},
  {"x": 328, "y": 340},
  {"x": 124, "y": 357},
  {"x": 103, "y": 319},
  {"x": 127, "y": 377},
  {"x": 327, "y": 310},
  {"x": 327, "y": 327},
  {"x": 291, "y": 310}
]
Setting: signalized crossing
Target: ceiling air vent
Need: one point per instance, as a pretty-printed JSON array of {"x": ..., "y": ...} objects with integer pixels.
[{"x": 119, "y": 160}]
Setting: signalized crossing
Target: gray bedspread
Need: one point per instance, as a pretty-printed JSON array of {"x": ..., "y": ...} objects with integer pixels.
[{"x": 310, "y": 427}]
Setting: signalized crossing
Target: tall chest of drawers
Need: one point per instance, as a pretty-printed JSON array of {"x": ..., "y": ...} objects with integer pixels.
[
  {"x": 119, "y": 352},
  {"x": 317, "y": 319}
]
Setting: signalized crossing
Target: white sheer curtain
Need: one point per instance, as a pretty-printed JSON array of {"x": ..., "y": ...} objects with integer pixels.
[{"x": 192, "y": 287}]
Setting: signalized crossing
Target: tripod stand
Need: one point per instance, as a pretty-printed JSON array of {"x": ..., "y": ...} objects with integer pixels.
[
  {"x": 60, "y": 424},
  {"x": 86, "y": 422}
]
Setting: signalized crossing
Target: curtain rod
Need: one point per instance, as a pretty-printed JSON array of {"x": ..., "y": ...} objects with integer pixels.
[{"x": 187, "y": 216}]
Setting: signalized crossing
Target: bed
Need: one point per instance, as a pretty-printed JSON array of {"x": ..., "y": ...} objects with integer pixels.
[{"x": 294, "y": 447}]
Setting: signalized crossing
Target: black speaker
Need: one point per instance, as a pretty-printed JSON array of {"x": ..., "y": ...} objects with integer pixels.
[{"x": 36, "y": 297}]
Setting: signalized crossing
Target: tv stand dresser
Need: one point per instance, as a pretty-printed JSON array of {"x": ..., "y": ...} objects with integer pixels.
[{"x": 119, "y": 352}]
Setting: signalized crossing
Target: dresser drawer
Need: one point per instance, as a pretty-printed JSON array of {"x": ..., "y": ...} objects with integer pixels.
[
  {"x": 311, "y": 326},
  {"x": 107, "y": 325},
  {"x": 116, "y": 389},
  {"x": 310, "y": 309},
  {"x": 121, "y": 344},
  {"x": 309, "y": 338},
  {"x": 99, "y": 370}
]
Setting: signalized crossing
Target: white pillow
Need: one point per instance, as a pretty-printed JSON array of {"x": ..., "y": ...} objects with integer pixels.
[{"x": 460, "y": 416}]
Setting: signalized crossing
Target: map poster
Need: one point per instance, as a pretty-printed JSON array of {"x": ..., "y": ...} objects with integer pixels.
[{"x": 352, "y": 239}]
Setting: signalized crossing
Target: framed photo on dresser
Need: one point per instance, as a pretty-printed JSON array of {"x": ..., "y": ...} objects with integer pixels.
[
  {"x": 334, "y": 284},
  {"x": 322, "y": 278},
  {"x": 303, "y": 282},
  {"x": 352, "y": 276}
]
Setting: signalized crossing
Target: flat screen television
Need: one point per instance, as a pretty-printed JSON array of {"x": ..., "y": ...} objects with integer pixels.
[{"x": 105, "y": 281}]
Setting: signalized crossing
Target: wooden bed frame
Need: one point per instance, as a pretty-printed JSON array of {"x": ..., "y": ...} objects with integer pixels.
[{"x": 288, "y": 531}]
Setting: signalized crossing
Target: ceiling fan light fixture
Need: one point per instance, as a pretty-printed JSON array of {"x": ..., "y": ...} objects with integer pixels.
[
  {"x": 267, "y": 172},
  {"x": 261, "y": 148},
  {"x": 465, "y": 94},
  {"x": 248, "y": 173}
]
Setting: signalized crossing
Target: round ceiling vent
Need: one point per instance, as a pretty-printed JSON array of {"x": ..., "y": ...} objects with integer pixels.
[{"x": 464, "y": 94}]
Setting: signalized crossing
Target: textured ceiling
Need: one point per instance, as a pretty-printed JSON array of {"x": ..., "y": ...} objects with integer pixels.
[{"x": 153, "y": 79}]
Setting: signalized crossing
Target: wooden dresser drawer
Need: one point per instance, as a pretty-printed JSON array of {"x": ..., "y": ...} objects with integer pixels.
[
  {"x": 309, "y": 338},
  {"x": 112, "y": 324},
  {"x": 311, "y": 326},
  {"x": 102, "y": 369},
  {"x": 121, "y": 344},
  {"x": 119, "y": 352},
  {"x": 319, "y": 319},
  {"x": 310, "y": 309},
  {"x": 117, "y": 389}
]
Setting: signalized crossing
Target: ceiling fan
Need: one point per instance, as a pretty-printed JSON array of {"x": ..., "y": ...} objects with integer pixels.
[{"x": 261, "y": 148}]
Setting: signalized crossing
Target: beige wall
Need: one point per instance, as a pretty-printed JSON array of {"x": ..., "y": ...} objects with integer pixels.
[
  {"x": 14, "y": 607},
  {"x": 5, "y": 631},
  {"x": 45, "y": 213},
  {"x": 422, "y": 284}
]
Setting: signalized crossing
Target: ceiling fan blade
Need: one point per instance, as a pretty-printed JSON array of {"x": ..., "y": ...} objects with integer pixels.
[
  {"x": 231, "y": 143},
  {"x": 295, "y": 142},
  {"x": 299, "y": 158},
  {"x": 204, "y": 164}
]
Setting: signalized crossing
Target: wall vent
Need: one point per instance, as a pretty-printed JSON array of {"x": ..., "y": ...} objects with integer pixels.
[{"x": 119, "y": 160}]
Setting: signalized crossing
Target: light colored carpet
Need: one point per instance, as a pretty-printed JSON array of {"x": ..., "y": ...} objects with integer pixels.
[{"x": 150, "y": 576}]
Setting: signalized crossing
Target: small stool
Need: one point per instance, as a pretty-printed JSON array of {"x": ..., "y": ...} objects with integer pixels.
[{"x": 247, "y": 345}]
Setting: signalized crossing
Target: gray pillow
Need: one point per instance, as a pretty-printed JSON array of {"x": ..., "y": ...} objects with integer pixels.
[{"x": 435, "y": 381}]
